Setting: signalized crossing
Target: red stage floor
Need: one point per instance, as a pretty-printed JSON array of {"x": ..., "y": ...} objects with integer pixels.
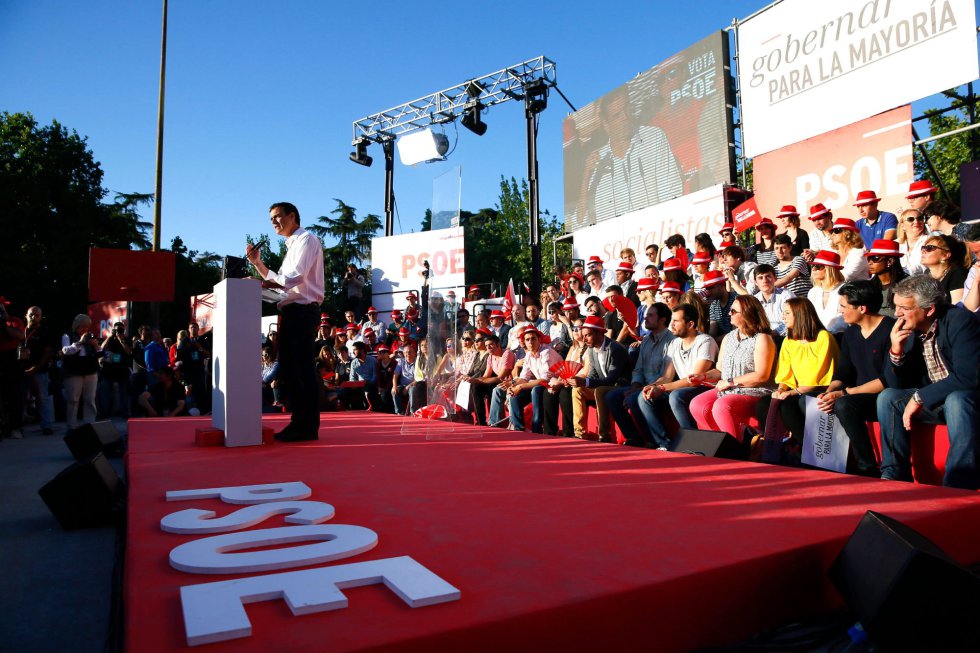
[{"x": 554, "y": 544}]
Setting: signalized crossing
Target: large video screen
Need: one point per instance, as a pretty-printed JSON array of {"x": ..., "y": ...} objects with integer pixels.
[{"x": 664, "y": 134}]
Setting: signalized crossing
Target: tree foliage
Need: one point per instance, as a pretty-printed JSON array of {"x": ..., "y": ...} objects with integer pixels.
[
  {"x": 52, "y": 200},
  {"x": 352, "y": 245},
  {"x": 498, "y": 240},
  {"x": 950, "y": 152}
]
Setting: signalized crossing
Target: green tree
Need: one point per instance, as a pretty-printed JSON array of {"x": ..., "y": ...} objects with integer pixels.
[
  {"x": 498, "y": 240},
  {"x": 950, "y": 152},
  {"x": 352, "y": 245},
  {"x": 52, "y": 200}
]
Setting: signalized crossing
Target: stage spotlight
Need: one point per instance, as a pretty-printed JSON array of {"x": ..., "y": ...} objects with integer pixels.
[
  {"x": 536, "y": 96},
  {"x": 471, "y": 119},
  {"x": 422, "y": 146},
  {"x": 360, "y": 155}
]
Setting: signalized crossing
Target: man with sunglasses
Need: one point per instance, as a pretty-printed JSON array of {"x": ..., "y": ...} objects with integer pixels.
[
  {"x": 556, "y": 329},
  {"x": 532, "y": 385},
  {"x": 932, "y": 377}
]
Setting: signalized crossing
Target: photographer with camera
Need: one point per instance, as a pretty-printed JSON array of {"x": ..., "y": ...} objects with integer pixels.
[
  {"x": 117, "y": 357},
  {"x": 354, "y": 282},
  {"x": 80, "y": 365}
]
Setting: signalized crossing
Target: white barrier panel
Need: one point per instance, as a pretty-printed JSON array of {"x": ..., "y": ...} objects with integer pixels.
[
  {"x": 809, "y": 67},
  {"x": 237, "y": 394},
  {"x": 396, "y": 262},
  {"x": 703, "y": 211}
]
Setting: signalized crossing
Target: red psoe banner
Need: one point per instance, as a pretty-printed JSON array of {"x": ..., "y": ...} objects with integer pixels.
[
  {"x": 105, "y": 314},
  {"x": 873, "y": 154},
  {"x": 202, "y": 308},
  {"x": 746, "y": 215}
]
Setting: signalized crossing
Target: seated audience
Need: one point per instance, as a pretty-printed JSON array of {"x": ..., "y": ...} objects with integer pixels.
[
  {"x": 764, "y": 252},
  {"x": 792, "y": 272},
  {"x": 825, "y": 270},
  {"x": 789, "y": 223},
  {"x": 858, "y": 377},
  {"x": 689, "y": 355},
  {"x": 606, "y": 366},
  {"x": 773, "y": 299},
  {"x": 532, "y": 385},
  {"x": 885, "y": 268},
  {"x": 911, "y": 237},
  {"x": 944, "y": 217},
  {"x": 164, "y": 398},
  {"x": 743, "y": 375},
  {"x": 943, "y": 256},
  {"x": 846, "y": 241},
  {"x": 499, "y": 370},
  {"x": 932, "y": 377}
]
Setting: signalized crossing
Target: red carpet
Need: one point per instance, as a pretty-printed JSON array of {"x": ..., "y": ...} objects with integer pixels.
[{"x": 554, "y": 544}]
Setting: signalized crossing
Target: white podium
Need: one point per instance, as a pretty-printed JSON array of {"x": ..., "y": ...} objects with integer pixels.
[{"x": 236, "y": 361}]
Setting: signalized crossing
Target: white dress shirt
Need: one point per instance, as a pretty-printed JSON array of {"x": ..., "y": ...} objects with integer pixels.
[{"x": 301, "y": 274}]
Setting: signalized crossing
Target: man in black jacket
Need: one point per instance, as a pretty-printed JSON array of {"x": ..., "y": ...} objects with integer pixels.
[
  {"x": 932, "y": 376},
  {"x": 607, "y": 366}
]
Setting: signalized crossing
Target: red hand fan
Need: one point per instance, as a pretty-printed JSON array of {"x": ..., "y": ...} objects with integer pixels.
[{"x": 565, "y": 369}]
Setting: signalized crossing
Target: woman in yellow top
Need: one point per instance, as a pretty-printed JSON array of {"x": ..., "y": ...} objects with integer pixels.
[{"x": 806, "y": 362}]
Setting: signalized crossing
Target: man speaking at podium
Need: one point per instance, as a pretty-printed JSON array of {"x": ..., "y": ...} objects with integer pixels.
[{"x": 301, "y": 279}]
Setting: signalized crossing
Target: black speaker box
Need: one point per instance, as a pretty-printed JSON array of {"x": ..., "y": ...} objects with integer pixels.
[
  {"x": 90, "y": 439},
  {"x": 713, "y": 444},
  {"x": 907, "y": 593},
  {"x": 84, "y": 494}
]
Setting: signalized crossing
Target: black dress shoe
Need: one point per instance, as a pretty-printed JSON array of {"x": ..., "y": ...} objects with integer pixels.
[{"x": 296, "y": 435}]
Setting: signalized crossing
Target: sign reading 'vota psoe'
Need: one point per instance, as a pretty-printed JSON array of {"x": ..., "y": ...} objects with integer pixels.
[
  {"x": 807, "y": 67},
  {"x": 215, "y": 612}
]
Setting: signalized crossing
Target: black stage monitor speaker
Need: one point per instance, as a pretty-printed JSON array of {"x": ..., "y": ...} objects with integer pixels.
[
  {"x": 84, "y": 494},
  {"x": 90, "y": 439},
  {"x": 908, "y": 594},
  {"x": 234, "y": 267},
  {"x": 713, "y": 444}
]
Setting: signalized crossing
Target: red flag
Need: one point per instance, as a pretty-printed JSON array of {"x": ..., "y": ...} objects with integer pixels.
[{"x": 510, "y": 297}]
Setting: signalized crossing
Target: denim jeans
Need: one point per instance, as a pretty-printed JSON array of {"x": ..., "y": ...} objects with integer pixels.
[
  {"x": 680, "y": 402},
  {"x": 619, "y": 406},
  {"x": 517, "y": 403},
  {"x": 497, "y": 401},
  {"x": 958, "y": 411},
  {"x": 45, "y": 402},
  {"x": 646, "y": 412}
]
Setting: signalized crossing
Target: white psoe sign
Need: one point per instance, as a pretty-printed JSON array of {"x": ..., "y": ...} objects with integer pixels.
[{"x": 214, "y": 612}]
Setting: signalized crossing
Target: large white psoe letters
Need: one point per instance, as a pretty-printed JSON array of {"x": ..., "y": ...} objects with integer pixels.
[{"x": 214, "y": 612}]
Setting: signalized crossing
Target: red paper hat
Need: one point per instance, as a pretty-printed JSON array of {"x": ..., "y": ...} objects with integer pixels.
[
  {"x": 713, "y": 278},
  {"x": 530, "y": 329},
  {"x": 845, "y": 223},
  {"x": 766, "y": 222},
  {"x": 646, "y": 283},
  {"x": 624, "y": 266},
  {"x": 594, "y": 322},
  {"x": 671, "y": 287},
  {"x": 787, "y": 210},
  {"x": 404, "y": 331},
  {"x": 866, "y": 197},
  {"x": 818, "y": 210},
  {"x": 372, "y": 310},
  {"x": 672, "y": 265},
  {"x": 728, "y": 226},
  {"x": 485, "y": 331},
  {"x": 884, "y": 248},
  {"x": 595, "y": 260},
  {"x": 570, "y": 304},
  {"x": 827, "y": 258},
  {"x": 474, "y": 289},
  {"x": 920, "y": 188},
  {"x": 381, "y": 348},
  {"x": 396, "y": 313},
  {"x": 701, "y": 258},
  {"x": 499, "y": 314},
  {"x": 352, "y": 327},
  {"x": 578, "y": 276},
  {"x": 413, "y": 313}
]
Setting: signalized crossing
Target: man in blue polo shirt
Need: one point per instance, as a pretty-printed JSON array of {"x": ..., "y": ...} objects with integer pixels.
[{"x": 874, "y": 224}]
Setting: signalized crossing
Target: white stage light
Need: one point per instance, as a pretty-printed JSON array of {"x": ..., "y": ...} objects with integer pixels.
[{"x": 420, "y": 146}]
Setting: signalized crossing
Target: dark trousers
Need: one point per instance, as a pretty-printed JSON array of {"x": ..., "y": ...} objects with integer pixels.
[
  {"x": 567, "y": 416},
  {"x": 853, "y": 411},
  {"x": 297, "y": 370},
  {"x": 479, "y": 394}
]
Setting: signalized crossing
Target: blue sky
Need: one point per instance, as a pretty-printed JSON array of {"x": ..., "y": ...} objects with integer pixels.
[{"x": 261, "y": 96}]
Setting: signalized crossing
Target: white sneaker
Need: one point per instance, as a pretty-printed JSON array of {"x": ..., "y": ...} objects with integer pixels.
[{"x": 17, "y": 434}]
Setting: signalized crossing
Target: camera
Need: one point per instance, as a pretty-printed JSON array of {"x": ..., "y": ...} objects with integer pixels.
[{"x": 426, "y": 272}]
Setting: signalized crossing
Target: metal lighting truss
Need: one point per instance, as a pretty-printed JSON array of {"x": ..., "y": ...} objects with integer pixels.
[{"x": 444, "y": 106}]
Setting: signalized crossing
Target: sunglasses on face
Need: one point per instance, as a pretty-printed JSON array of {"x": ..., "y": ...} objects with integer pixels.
[
  {"x": 911, "y": 220},
  {"x": 481, "y": 340},
  {"x": 734, "y": 312},
  {"x": 837, "y": 231},
  {"x": 878, "y": 259},
  {"x": 575, "y": 328},
  {"x": 933, "y": 248},
  {"x": 468, "y": 340},
  {"x": 816, "y": 266}
]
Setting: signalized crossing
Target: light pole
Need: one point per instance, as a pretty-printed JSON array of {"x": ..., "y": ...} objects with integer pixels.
[{"x": 158, "y": 188}]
